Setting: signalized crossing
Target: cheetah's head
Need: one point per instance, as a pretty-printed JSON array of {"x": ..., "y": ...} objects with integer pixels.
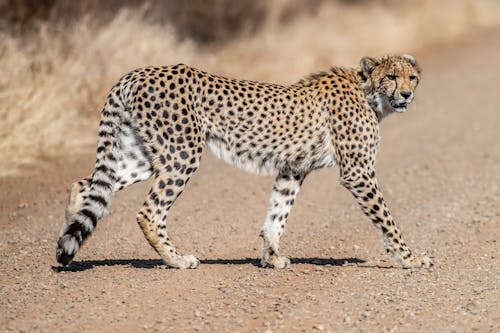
[{"x": 389, "y": 82}]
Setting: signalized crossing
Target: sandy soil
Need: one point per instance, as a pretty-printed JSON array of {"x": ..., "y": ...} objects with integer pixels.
[{"x": 439, "y": 167}]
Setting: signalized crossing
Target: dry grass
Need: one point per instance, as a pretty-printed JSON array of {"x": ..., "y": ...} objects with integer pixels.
[{"x": 54, "y": 81}]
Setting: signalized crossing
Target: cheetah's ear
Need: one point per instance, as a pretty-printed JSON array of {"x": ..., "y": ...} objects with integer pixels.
[
  {"x": 368, "y": 65},
  {"x": 412, "y": 61}
]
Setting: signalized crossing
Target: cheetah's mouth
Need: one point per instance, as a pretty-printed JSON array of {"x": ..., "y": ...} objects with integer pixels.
[{"x": 399, "y": 106}]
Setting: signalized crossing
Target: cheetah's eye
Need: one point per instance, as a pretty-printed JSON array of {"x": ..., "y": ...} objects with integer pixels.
[
  {"x": 413, "y": 77},
  {"x": 391, "y": 77}
]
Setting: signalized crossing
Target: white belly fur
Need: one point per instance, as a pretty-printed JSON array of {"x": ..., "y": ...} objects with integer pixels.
[{"x": 222, "y": 151}]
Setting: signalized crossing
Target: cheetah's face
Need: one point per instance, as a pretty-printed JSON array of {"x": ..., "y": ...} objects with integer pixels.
[{"x": 392, "y": 81}]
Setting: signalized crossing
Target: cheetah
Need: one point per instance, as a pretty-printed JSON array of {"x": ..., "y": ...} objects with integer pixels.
[{"x": 157, "y": 121}]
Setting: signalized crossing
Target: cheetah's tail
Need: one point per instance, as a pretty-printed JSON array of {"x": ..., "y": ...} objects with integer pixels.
[{"x": 90, "y": 198}]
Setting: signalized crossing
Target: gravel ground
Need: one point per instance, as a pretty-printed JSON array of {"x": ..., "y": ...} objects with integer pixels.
[{"x": 439, "y": 167}]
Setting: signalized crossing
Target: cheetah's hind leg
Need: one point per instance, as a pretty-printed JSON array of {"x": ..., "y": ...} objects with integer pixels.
[{"x": 170, "y": 180}]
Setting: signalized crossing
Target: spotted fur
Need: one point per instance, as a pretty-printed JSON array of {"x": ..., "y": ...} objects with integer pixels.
[{"x": 157, "y": 121}]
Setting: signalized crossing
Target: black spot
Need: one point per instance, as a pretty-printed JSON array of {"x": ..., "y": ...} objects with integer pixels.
[
  {"x": 102, "y": 168},
  {"x": 285, "y": 192}
]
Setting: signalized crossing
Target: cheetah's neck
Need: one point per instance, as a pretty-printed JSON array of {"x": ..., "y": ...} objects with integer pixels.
[{"x": 379, "y": 104}]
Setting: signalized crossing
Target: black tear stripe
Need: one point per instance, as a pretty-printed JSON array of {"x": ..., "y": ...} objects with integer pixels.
[{"x": 396, "y": 88}]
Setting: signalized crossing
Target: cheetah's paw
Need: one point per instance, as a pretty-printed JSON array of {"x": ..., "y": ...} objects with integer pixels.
[
  {"x": 418, "y": 262},
  {"x": 275, "y": 262},
  {"x": 187, "y": 261}
]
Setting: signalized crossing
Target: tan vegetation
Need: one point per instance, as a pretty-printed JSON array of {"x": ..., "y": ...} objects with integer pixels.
[{"x": 55, "y": 76}]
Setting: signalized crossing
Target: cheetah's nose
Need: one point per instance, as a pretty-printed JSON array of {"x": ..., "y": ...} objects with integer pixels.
[{"x": 405, "y": 94}]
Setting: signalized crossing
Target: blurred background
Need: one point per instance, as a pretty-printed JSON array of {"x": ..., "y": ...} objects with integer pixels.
[
  {"x": 58, "y": 58},
  {"x": 438, "y": 165}
]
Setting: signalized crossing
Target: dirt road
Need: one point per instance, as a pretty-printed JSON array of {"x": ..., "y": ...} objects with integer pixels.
[{"x": 439, "y": 167}]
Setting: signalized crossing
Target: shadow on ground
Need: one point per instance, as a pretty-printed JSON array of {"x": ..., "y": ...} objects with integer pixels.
[{"x": 78, "y": 266}]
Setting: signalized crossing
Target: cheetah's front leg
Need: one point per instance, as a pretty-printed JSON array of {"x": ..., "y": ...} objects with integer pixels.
[
  {"x": 364, "y": 187},
  {"x": 285, "y": 189}
]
